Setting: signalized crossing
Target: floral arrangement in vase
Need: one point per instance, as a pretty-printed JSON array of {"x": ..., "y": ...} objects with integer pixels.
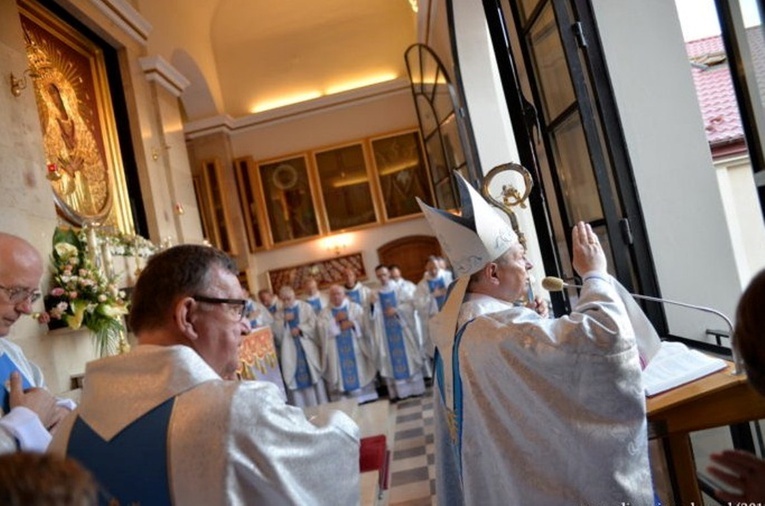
[{"x": 82, "y": 295}]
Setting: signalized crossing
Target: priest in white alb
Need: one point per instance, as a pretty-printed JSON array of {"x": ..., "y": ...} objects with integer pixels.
[
  {"x": 348, "y": 351},
  {"x": 299, "y": 350},
  {"x": 533, "y": 410},
  {"x": 399, "y": 351}
]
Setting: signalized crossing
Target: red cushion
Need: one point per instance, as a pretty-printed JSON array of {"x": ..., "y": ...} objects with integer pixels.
[{"x": 372, "y": 454}]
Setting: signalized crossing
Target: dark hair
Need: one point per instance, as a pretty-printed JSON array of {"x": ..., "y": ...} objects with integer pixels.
[
  {"x": 750, "y": 331},
  {"x": 381, "y": 266},
  {"x": 34, "y": 479},
  {"x": 176, "y": 272},
  {"x": 393, "y": 266}
]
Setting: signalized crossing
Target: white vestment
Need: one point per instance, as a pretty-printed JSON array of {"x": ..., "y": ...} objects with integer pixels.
[
  {"x": 228, "y": 442},
  {"x": 288, "y": 351},
  {"x": 20, "y": 428},
  {"x": 258, "y": 315},
  {"x": 408, "y": 355},
  {"x": 364, "y": 354},
  {"x": 360, "y": 292},
  {"x": 427, "y": 305},
  {"x": 544, "y": 411}
]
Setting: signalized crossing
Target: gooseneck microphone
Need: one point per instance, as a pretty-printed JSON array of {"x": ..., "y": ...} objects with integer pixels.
[{"x": 553, "y": 284}]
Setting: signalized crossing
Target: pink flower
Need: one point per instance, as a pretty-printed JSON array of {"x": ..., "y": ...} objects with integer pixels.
[
  {"x": 72, "y": 295},
  {"x": 57, "y": 292}
]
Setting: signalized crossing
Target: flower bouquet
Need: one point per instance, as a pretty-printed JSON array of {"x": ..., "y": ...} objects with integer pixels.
[{"x": 82, "y": 295}]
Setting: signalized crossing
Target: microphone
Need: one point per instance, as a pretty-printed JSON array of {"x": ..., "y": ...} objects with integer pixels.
[{"x": 554, "y": 284}]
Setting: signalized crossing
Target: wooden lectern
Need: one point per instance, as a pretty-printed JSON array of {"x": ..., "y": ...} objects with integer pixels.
[{"x": 716, "y": 400}]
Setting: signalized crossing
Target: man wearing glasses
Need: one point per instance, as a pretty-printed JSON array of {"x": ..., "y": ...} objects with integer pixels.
[
  {"x": 29, "y": 411},
  {"x": 164, "y": 424}
]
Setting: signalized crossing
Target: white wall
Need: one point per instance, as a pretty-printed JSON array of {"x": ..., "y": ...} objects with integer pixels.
[
  {"x": 743, "y": 214},
  {"x": 672, "y": 164}
]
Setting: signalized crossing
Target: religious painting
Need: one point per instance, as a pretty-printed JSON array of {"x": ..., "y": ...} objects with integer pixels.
[
  {"x": 344, "y": 182},
  {"x": 400, "y": 165},
  {"x": 83, "y": 161},
  {"x": 325, "y": 272},
  {"x": 289, "y": 201}
]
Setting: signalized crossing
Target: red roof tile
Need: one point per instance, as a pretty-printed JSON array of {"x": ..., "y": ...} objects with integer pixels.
[{"x": 714, "y": 89}]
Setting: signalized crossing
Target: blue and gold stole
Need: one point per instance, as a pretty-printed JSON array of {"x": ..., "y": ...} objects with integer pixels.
[
  {"x": 315, "y": 303},
  {"x": 132, "y": 468},
  {"x": 394, "y": 334},
  {"x": 453, "y": 408},
  {"x": 7, "y": 366},
  {"x": 346, "y": 354},
  {"x": 435, "y": 284},
  {"x": 302, "y": 373}
]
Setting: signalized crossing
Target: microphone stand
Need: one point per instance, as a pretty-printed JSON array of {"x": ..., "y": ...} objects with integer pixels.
[{"x": 737, "y": 362}]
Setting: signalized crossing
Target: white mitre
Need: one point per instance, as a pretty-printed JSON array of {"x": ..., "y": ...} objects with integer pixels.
[{"x": 471, "y": 240}]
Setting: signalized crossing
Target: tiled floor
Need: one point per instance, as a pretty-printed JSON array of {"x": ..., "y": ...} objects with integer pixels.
[{"x": 412, "y": 480}]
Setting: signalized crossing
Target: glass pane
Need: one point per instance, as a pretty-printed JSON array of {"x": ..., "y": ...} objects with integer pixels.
[
  {"x": 438, "y": 168},
  {"x": 550, "y": 65},
  {"x": 580, "y": 192},
  {"x": 427, "y": 115},
  {"x": 445, "y": 195},
  {"x": 527, "y": 7},
  {"x": 452, "y": 145},
  {"x": 288, "y": 200},
  {"x": 345, "y": 186},
  {"x": 400, "y": 165}
]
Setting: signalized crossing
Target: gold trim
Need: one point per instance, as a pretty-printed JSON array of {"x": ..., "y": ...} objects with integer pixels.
[{"x": 81, "y": 138}]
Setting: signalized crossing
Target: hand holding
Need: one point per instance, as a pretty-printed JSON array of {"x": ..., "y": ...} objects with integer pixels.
[
  {"x": 588, "y": 253},
  {"x": 346, "y": 324},
  {"x": 390, "y": 311},
  {"x": 38, "y": 400},
  {"x": 539, "y": 305},
  {"x": 295, "y": 332},
  {"x": 740, "y": 470}
]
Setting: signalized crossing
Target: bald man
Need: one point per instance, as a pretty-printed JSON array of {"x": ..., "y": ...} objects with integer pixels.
[{"x": 29, "y": 411}]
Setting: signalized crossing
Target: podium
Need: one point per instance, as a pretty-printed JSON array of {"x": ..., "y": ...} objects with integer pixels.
[{"x": 716, "y": 400}]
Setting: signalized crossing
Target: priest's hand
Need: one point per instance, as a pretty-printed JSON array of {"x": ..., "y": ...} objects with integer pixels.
[
  {"x": 588, "y": 253},
  {"x": 539, "y": 305},
  {"x": 38, "y": 400},
  {"x": 740, "y": 470}
]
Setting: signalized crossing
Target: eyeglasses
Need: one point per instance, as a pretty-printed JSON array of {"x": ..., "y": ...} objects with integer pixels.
[
  {"x": 18, "y": 295},
  {"x": 235, "y": 306}
]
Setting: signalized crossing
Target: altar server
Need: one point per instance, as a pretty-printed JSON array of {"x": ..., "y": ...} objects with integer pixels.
[
  {"x": 532, "y": 410},
  {"x": 348, "y": 356},
  {"x": 163, "y": 425},
  {"x": 299, "y": 350}
]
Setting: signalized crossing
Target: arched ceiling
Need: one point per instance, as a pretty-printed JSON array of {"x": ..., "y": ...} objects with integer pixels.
[{"x": 268, "y": 52}]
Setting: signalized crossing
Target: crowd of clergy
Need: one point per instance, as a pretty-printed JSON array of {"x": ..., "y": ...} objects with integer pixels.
[{"x": 352, "y": 339}]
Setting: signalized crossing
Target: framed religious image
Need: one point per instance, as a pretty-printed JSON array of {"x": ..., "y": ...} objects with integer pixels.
[
  {"x": 401, "y": 168},
  {"x": 289, "y": 200},
  {"x": 344, "y": 181},
  {"x": 83, "y": 161}
]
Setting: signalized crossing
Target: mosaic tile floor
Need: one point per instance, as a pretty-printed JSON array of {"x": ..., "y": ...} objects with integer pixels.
[{"x": 413, "y": 476}]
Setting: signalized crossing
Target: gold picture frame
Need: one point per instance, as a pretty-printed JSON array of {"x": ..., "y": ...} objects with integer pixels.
[{"x": 83, "y": 160}]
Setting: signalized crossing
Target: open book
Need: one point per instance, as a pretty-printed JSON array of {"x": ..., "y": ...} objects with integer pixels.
[{"x": 675, "y": 364}]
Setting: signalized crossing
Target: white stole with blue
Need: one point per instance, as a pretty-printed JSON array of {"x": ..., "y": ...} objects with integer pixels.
[
  {"x": 349, "y": 369},
  {"x": 394, "y": 335},
  {"x": 302, "y": 374}
]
